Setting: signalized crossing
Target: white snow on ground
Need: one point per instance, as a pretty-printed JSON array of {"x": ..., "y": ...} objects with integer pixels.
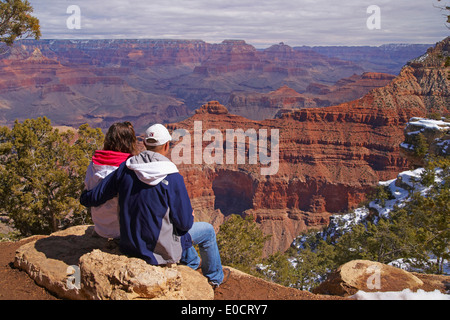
[
  {"x": 339, "y": 224},
  {"x": 406, "y": 294},
  {"x": 401, "y": 190},
  {"x": 430, "y": 124},
  {"x": 423, "y": 124},
  {"x": 408, "y": 178},
  {"x": 444, "y": 146}
]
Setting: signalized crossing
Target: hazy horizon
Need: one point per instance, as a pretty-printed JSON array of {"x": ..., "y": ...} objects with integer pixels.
[
  {"x": 259, "y": 23},
  {"x": 220, "y": 41}
]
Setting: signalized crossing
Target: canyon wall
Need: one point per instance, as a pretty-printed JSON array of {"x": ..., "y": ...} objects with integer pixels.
[
  {"x": 329, "y": 158},
  {"x": 102, "y": 81},
  {"x": 260, "y": 106},
  {"x": 387, "y": 58}
]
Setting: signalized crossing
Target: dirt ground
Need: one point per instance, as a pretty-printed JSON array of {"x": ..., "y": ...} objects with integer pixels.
[{"x": 17, "y": 285}]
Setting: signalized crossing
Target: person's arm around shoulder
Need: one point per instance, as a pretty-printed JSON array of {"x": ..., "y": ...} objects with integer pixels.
[
  {"x": 104, "y": 191},
  {"x": 179, "y": 203}
]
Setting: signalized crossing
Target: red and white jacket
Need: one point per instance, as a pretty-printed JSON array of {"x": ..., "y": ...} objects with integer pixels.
[{"x": 105, "y": 216}]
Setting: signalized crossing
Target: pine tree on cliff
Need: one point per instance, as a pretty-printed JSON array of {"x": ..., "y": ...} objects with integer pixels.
[
  {"x": 241, "y": 243},
  {"x": 42, "y": 173},
  {"x": 420, "y": 145},
  {"x": 16, "y": 21}
]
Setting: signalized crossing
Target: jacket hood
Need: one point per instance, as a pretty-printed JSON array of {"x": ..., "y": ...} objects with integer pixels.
[
  {"x": 109, "y": 158},
  {"x": 151, "y": 167},
  {"x": 96, "y": 173}
]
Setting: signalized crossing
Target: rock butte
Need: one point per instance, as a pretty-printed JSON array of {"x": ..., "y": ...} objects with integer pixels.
[
  {"x": 103, "y": 81},
  {"x": 329, "y": 157}
]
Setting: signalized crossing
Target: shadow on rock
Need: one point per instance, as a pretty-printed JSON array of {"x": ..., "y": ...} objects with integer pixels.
[{"x": 71, "y": 247}]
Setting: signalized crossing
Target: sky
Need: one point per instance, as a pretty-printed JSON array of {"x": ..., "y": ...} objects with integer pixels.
[{"x": 260, "y": 23}]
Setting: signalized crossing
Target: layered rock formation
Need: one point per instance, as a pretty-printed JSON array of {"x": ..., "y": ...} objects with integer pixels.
[
  {"x": 389, "y": 58},
  {"x": 260, "y": 106},
  {"x": 36, "y": 85},
  {"x": 103, "y": 81},
  {"x": 328, "y": 157}
]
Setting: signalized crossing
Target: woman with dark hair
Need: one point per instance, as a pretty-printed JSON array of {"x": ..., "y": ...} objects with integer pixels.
[{"x": 120, "y": 143}]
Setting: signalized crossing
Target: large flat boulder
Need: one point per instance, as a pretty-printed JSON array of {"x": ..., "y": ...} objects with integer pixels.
[
  {"x": 368, "y": 276},
  {"x": 77, "y": 264}
]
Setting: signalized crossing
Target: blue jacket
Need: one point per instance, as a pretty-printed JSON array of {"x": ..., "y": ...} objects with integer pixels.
[{"x": 155, "y": 210}]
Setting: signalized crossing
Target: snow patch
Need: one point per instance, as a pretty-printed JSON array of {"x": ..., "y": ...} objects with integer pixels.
[
  {"x": 401, "y": 190},
  {"x": 406, "y": 294},
  {"x": 430, "y": 124}
]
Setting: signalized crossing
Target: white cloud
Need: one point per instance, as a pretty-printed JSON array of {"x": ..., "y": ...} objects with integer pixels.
[{"x": 261, "y": 23}]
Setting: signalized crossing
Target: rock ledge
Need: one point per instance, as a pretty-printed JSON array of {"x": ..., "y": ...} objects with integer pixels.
[{"x": 76, "y": 264}]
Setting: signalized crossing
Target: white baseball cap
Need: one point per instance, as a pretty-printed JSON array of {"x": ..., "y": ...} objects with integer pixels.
[{"x": 157, "y": 134}]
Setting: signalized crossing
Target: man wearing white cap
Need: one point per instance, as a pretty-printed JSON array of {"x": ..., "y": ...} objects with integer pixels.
[{"x": 156, "y": 216}]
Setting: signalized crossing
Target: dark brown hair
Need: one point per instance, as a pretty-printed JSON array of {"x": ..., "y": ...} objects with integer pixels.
[{"x": 121, "y": 137}]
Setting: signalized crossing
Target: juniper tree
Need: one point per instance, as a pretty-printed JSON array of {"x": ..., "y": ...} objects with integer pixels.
[
  {"x": 41, "y": 174},
  {"x": 421, "y": 146},
  {"x": 241, "y": 243},
  {"x": 16, "y": 21}
]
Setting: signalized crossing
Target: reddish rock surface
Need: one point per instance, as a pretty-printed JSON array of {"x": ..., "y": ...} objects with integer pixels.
[
  {"x": 260, "y": 106},
  {"x": 17, "y": 285},
  {"x": 103, "y": 81},
  {"x": 40, "y": 86},
  {"x": 388, "y": 58},
  {"x": 329, "y": 158}
]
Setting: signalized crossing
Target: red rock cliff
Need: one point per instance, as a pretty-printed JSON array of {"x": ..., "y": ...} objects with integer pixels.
[{"x": 328, "y": 157}]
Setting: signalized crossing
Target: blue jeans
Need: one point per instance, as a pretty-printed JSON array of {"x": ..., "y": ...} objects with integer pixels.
[{"x": 203, "y": 234}]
